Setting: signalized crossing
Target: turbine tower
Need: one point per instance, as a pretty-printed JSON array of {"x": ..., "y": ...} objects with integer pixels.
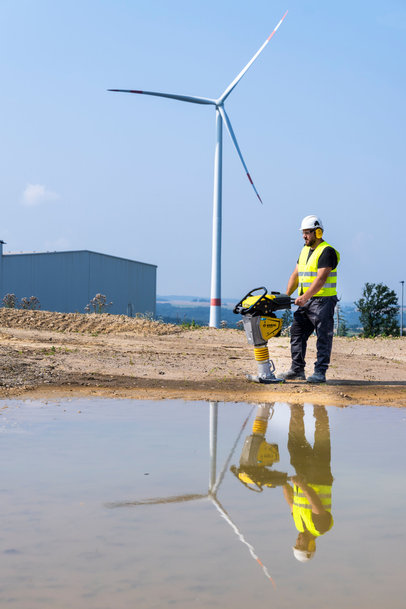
[{"x": 221, "y": 116}]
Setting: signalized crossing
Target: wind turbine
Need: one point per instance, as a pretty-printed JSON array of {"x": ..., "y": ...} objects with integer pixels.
[{"x": 221, "y": 115}]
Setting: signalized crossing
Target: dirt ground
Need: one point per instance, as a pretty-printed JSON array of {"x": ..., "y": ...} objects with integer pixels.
[{"x": 49, "y": 354}]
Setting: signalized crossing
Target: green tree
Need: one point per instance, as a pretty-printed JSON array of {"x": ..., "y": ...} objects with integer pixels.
[
  {"x": 341, "y": 322},
  {"x": 342, "y": 329},
  {"x": 379, "y": 310}
]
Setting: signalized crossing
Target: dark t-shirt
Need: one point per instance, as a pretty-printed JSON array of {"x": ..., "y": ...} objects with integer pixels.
[{"x": 328, "y": 258}]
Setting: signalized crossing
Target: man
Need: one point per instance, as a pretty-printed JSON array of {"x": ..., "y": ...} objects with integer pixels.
[
  {"x": 310, "y": 497},
  {"x": 315, "y": 276}
]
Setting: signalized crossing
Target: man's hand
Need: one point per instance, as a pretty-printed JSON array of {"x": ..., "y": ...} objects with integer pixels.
[
  {"x": 301, "y": 300},
  {"x": 298, "y": 480}
]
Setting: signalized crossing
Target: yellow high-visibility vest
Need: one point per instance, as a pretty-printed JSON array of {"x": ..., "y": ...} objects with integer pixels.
[
  {"x": 302, "y": 510},
  {"x": 308, "y": 271}
]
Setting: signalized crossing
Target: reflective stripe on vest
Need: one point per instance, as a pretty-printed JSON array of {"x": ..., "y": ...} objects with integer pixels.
[
  {"x": 308, "y": 271},
  {"x": 302, "y": 510}
]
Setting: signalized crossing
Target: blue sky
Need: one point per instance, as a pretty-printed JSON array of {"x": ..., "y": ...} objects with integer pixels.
[{"x": 320, "y": 119}]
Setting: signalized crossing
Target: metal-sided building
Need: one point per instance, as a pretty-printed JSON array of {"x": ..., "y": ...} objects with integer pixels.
[{"x": 67, "y": 281}]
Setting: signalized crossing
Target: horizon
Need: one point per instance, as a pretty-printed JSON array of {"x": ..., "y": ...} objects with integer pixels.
[{"x": 206, "y": 300}]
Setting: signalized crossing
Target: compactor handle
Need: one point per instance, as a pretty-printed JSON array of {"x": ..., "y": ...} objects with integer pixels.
[
  {"x": 235, "y": 471},
  {"x": 239, "y": 309}
]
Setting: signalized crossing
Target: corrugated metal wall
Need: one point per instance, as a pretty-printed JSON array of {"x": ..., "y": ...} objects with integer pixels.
[{"x": 67, "y": 281}]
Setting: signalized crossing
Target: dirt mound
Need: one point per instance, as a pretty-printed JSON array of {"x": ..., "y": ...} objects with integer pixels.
[{"x": 91, "y": 323}]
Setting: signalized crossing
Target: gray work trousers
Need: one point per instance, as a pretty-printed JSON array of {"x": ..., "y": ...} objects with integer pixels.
[
  {"x": 316, "y": 315},
  {"x": 314, "y": 463}
]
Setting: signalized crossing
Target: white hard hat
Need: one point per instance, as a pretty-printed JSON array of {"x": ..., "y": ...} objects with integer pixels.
[
  {"x": 311, "y": 222},
  {"x": 303, "y": 555}
]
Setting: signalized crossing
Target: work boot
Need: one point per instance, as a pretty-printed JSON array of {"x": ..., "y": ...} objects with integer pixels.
[
  {"x": 317, "y": 377},
  {"x": 263, "y": 379},
  {"x": 293, "y": 375}
]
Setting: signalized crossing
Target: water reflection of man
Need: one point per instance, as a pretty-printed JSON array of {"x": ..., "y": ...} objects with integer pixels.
[{"x": 310, "y": 496}]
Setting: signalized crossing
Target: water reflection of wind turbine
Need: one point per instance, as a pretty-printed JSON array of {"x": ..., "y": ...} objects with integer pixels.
[{"x": 214, "y": 485}]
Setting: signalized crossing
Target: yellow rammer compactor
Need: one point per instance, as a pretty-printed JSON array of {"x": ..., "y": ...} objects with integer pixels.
[{"x": 261, "y": 324}]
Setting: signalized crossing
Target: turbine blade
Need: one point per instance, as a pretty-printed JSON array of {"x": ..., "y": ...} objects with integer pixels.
[
  {"x": 187, "y": 98},
  {"x": 241, "y": 537},
  {"x": 156, "y": 501},
  {"x": 249, "y": 64},
  {"x": 231, "y": 132}
]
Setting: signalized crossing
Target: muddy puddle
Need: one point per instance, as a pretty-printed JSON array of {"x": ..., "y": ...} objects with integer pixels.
[{"x": 108, "y": 503}]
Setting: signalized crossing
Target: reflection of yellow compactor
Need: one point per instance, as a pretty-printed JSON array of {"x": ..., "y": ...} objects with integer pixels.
[
  {"x": 258, "y": 455},
  {"x": 261, "y": 324}
]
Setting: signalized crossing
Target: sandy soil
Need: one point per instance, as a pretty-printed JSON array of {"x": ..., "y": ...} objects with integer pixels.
[{"x": 48, "y": 354}]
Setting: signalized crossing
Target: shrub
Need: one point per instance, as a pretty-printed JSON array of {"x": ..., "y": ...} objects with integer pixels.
[
  {"x": 98, "y": 304},
  {"x": 10, "y": 301},
  {"x": 30, "y": 303},
  {"x": 190, "y": 325}
]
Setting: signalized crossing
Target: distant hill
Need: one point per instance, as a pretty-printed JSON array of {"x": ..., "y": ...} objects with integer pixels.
[
  {"x": 350, "y": 314},
  {"x": 187, "y": 309},
  {"x": 198, "y": 311},
  {"x": 184, "y": 299}
]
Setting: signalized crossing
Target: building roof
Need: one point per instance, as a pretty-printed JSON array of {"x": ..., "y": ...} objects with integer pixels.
[{"x": 76, "y": 252}]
